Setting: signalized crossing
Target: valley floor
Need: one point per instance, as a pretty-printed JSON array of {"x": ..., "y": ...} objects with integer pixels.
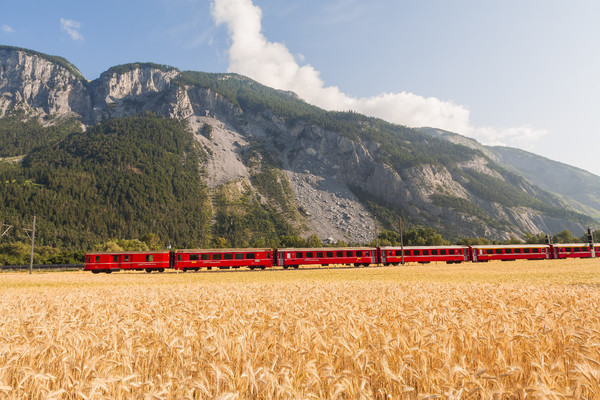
[{"x": 496, "y": 330}]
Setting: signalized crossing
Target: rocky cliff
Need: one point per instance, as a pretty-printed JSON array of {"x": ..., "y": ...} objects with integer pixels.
[
  {"x": 339, "y": 180},
  {"x": 579, "y": 189}
]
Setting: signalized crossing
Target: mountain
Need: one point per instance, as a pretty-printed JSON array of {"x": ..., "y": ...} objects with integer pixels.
[
  {"x": 268, "y": 163},
  {"x": 578, "y": 188}
]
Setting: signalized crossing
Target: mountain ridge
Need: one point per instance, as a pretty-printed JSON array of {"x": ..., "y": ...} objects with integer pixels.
[
  {"x": 578, "y": 187},
  {"x": 343, "y": 170}
]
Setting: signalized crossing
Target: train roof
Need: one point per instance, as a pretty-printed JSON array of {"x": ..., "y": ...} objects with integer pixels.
[
  {"x": 513, "y": 246},
  {"x": 423, "y": 247},
  {"x": 89, "y": 253},
  {"x": 573, "y": 244},
  {"x": 327, "y": 248}
]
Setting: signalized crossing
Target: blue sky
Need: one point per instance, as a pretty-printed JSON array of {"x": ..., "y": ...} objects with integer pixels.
[{"x": 518, "y": 73}]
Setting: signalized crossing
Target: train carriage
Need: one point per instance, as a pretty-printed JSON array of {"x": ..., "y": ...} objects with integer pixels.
[
  {"x": 127, "y": 260},
  {"x": 196, "y": 259},
  {"x": 356, "y": 256},
  {"x": 511, "y": 252},
  {"x": 424, "y": 254},
  {"x": 574, "y": 250}
]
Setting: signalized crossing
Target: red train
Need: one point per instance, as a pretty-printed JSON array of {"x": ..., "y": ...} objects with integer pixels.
[{"x": 197, "y": 259}]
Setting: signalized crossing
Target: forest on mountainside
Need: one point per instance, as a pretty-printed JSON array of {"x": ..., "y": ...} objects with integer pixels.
[{"x": 123, "y": 178}]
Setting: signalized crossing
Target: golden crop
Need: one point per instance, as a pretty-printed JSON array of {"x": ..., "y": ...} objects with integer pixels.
[{"x": 411, "y": 333}]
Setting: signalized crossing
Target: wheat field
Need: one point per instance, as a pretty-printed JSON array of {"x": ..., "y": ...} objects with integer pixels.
[{"x": 526, "y": 330}]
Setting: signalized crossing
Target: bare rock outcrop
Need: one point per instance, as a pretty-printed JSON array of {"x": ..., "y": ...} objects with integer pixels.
[{"x": 38, "y": 86}]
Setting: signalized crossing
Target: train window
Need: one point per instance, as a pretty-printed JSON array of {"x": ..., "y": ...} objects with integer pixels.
[
  {"x": 398, "y": 253},
  {"x": 195, "y": 257},
  {"x": 489, "y": 251},
  {"x": 97, "y": 259},
  {"x": 217, "y": 256},
  {"x": 570, "y": 249},
  {"x": 498, "y": 251},
  {"x": 299, "y": 255},
  {"x": 518, "y": 251},
  {"x": 228, "y": 256},
  {"x": 348, "y": 254},
  {"x": 434, "y": 252},
  {"x": 149, "y": 257},
  {"x": 416, "y": 252},
  {"x": 268, "y": 256},
  {"x": 115, "y": 258},
  {"x": 179, "y": 257},
  {"x": 359, "y": 254},
  {"x": 443, "y": 252},
  {"x": 126, "y": 259},
  {"x": 249, "y": 256},
  {"x": 339, "y": 254},
  {"x": 88, "y": 258},
  {"x": 527, "y": 251},
  {"x": 309, "y": 254},
  {"x": 329, "y": 254},
  {"x": 203, "y": 256},
  {"x": 239, "y": 256},
  {"x": 425, "y": 252}
]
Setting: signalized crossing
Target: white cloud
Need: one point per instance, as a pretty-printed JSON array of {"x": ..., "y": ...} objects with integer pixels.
[
  {"x": 272, "y": 64},
  {"x": 7, "y": 29},
  {"x": 72, "y": 28},
  {"x": 524, "y": 137}
]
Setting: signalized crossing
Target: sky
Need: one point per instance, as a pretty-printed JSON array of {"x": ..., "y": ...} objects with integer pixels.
[{"x": 520, "y": 73}]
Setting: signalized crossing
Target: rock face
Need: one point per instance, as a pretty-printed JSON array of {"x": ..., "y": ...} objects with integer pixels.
[
  {"x": 324, "y": 168},
  {"x": 35, "y": 84}
]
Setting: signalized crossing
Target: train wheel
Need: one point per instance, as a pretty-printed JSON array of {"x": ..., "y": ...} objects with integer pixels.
[
  {"x": 95, "y": 271},
  {"x": 196, "y": 269},
  {"x": 296, "y": 266},
  {"x": 161, "y": 270},
  {"x": 262, "y": 267},
  {"x": 148, "y": 270},
  {"x": 251, "y": 268},
  {"x": 285, "y": 266},
  {"x": 109, "y": 272}
]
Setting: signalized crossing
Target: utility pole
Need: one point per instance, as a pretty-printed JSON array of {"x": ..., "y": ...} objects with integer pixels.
[
  {"x": 401, "y": 241},
  {"x": 2, "y": 230},
  {"x": 590, "y": 237},
  {"x": 32, "y": 238}
]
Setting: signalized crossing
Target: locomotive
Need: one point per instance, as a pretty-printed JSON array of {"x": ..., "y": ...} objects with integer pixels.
[{"x": 264, "y": 258}]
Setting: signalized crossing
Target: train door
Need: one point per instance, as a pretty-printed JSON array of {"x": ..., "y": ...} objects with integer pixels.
[
  {"x": 280, "y": 258},
  {"x": 383, "y": 255},
  {"x": 474, "y": 254},
  {"x": 373, "y": 257},
  {"x": 115, "y": 262}
]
